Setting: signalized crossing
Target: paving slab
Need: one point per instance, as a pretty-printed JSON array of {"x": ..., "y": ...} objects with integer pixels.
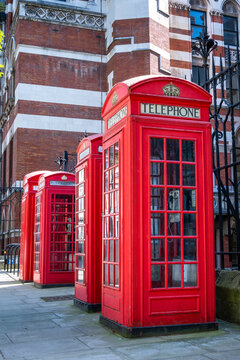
[{"x": 33, "y": 329}]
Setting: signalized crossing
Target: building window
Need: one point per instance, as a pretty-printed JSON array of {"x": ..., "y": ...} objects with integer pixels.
[
  {"x": 198, "y": 75},
  {"x": 198, "y": 23},
  {"x": 230, "y": 30}
]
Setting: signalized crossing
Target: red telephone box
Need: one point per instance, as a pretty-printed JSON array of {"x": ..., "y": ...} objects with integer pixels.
[
  {"x": 30, "y": 187},
  {"x": 88, "y": 224},
  {"x": 54, "y": 238},
  {"x": 158, "y": 242}
]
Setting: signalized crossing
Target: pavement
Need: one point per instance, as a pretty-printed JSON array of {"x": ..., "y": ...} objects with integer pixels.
[{"x": 33, "y": 328}]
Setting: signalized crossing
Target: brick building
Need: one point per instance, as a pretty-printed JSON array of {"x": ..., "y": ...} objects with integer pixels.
[{"x": 62, "y": 57}]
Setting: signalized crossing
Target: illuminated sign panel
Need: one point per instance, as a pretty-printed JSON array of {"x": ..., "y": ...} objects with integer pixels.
[
  {"x": 170, "y": 110},
  {"x": 117, "y": 117}
]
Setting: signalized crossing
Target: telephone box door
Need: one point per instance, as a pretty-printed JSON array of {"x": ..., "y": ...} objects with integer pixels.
[{"x": 174, "y": 239}]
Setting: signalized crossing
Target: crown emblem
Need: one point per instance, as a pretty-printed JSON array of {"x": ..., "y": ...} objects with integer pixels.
[
  {"x": 171, "y": 90},
  {"x": 114, "y": 98},
  {"x": 64, "y": 177}
]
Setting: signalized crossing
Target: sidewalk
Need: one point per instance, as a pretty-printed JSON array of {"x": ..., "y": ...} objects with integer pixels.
[{"x": 31, "y": 328}]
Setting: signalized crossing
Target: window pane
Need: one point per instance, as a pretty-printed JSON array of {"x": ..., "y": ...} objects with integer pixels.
[
  {"x": 157, "y": 174},
  {"x": 111, "y": 156},
  {"x": 188, "y": 175},
  {"x": 116, "y": 153},
  {"x": 188, "y": 150},
  {"x": 173, "y": 199},
  {"x": 106, "y": 181},
  {"x": 111, "y": 274},
  {"x": 157, "y": 224},
  {"x": 105, "y": 250},
  {"x": 174, "y": 249},
  {"x": 116, "y": 201},
  {"x": 116, "y": 251},
  {"x": 189, "y": 223},
  {"x": 156, "y": 149},
  {"x": 81, "y": 232},
  {"x": 173, "y": 174},
  {"x": 157, "y": 199},
  {"x": 106, "y": 158},
  {"x": 106, "y": 227},
  {"x": 111, "y": 227},
  {"x": 230, "y": 38},
  {"x": 80, "y": 276},
  {"x": 157, "y": 250},
  {"x": 106, "y": 210},
  {"x": 190, "y": 275},
  {"x": 197, "y": 17},
  {"x": 80, "y": 261},
  {"x": 116, "y": 276},
  {"x": 81, "y": 204},
  {"x": 172, "y": 149},
  {"x": 111, "y": 180},
  {"x": 174, "y": 226},
  {"x": 81, "y": 175},
  {"x": 111, "y": 203},
  {"x": 116, "y": 177},
  {"x": 81, "y": 247},
  {"x": 111, "y": 250},
  {"x": 157, "y": 276},
  {"x": 230, "y": 23},
  {"x": 117, "y": 226},
  {"x": 106, "y": 274},
  {"x": 81, "y": 190},
  {"x": 190, "y": 250},
  {"x": 189, "y": 199},
  {"x": 174, "y": 275}
]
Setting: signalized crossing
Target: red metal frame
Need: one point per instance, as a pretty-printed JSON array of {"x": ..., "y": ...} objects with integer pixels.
[
  {"x": 166, "y": 242},
  {"x": 30, "y": 187},
  {"x": 88, "y": 224},
  {"x": 54, "y": 253}
]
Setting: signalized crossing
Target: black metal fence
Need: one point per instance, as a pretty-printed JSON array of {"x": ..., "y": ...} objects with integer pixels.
[
  {"x": 224, "y": 85},
  {"x": 11, "y": 258}
]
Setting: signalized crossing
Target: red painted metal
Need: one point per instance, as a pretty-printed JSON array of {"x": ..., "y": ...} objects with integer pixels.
[
  {"x": 54, "y": 237},
  {"x": 88, "y": 224},
  {"x": 159, "y": 268},
  {"x": 30, "y": 186}
]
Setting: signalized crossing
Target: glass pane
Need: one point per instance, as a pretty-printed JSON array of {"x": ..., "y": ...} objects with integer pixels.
[
  {"x": 80, "y": 261},
  {"x": 81, "y": 247},
  {"x": 190, "y": 249},
  {"x": 157, "y": 199},
  {"x": 157, "y": 276},
  {"x": 116, "y": 153},
  {"x": 157, "y": 149},
  {"x": 106, "y": 158},
  {"x": 230, "y": 38},
  {"x": 105, "y": 250},
  {"x": 116, "y": 202},
  {"x": 116, "y": 251},
  {"x": 116, "y": 177},
  {"x": 116, "y": 276},
  {"x": 81, "y": 232},
  {"x": 190, "y": 275},
  {"x": 173, "y": 174},
  {"x": 106, "y": 209},
  {"x": 172, "y": 149},
  {"x": 174, "y": 275},
  {"x": 173, "y": 199},
  {"x": 230, "y": 23},
  {"x": 197, "y": 31},
  {"x": 157, "y": 175},
  {"x": 189, "y": 223},
  {"x": 106, "y": 227},
  {"x": 81, "y": 204},
  {"x": 174, "y": 226},
  {"x": 111, "y": 227},
  {"x": 157, "y": 224},
  {"x": 111, "y": 275},
  {"x": 117, "y": 226},
  {"x": 81, "y": 218},
  {"x": 81, "y": 176},
  {"x": 106, "y": 181},
  {"x": 188, "y": 173},
  {"x": 197, "y": 17},
  {"x": 111, "y": 180},
  {"x": 157, "y": 249},
  {"x": 111, "y": 210},
  {"x": 106, "y": 274},
  {"x": 188, "y": 150},
  {"x": 80, "y": 276},
  {"x": 81, "y": 190},
  {"x": 111, "y": 156},
  {"x": 189, "y": 199},
  {"x": 174, "y": 249},
  {"x": 111, "y": 250}
]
